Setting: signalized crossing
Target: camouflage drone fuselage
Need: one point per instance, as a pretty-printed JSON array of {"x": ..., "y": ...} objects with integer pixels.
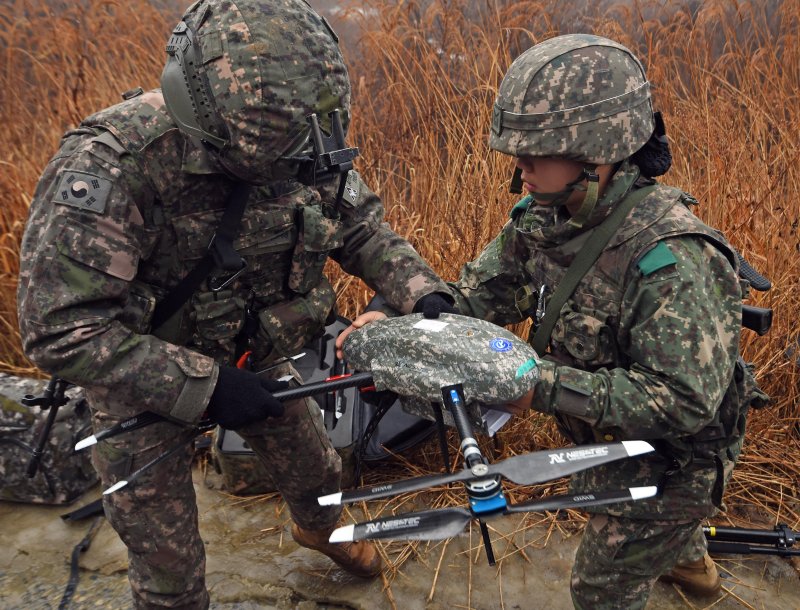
[{"x": 416, "y": 357}]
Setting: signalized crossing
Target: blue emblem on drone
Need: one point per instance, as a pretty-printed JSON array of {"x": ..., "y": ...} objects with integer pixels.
[{"x": 499, "y": 344}]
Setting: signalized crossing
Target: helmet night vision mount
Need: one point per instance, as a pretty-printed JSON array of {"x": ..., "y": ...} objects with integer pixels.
[{"x": 328, "y": 157}]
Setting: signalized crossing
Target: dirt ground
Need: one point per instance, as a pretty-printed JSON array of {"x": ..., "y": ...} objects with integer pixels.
[{"x": 254, "y": 564}]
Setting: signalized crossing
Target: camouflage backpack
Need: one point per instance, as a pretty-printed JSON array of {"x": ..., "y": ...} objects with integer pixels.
[{"x": 63, "y": 475}]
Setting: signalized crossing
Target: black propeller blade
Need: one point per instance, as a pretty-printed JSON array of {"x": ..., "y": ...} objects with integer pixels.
[
  {"x": 386, "y": 490},
  {"x": 541, "y": 466},
  {"x": 587, "y": 499},
  {"x": 434, "y": 524},
  {"x": 137, "y": 421},
  {"x": 135, "y": 475},
  {"x": 148, "y": 417},
  {"x": 447, "y": 522},
  {"x": 525, "y": 469}
]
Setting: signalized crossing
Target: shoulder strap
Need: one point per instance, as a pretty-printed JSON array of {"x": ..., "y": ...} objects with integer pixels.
[
  {"x": 582, "y": 263},
  {"x": 220, "y": 254}
]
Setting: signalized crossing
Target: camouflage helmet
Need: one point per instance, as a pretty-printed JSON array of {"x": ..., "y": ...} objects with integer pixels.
[
  {"x": 244, "y": 75},
  {"x": 579, "y": 97}
]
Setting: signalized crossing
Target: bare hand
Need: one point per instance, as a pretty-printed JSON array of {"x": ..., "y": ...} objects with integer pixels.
[
  {"x": 520, "y": 406},
  {"x": 362, "y": 320}
]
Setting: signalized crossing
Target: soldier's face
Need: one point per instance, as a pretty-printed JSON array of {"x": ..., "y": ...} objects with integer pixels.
[
  {"x": 548, "y": 174},
  {"x": 552, "y": 175}
]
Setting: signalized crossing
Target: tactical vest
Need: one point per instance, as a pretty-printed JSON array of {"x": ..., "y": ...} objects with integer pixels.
[
  {"x": 587, "y": 331},
  {"x": 280, "y": 301}
]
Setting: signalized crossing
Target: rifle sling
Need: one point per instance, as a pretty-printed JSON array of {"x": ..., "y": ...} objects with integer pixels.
[{"x": 582, "y": 263}]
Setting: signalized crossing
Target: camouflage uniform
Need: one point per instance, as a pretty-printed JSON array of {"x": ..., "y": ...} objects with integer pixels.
[
  {"x": 127, "y": 207},
  {"x": 644, "y": 348}
]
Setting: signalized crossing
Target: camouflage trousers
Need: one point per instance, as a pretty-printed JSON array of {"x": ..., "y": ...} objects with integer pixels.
[
  {"x": 157, "y": 519},
  {"x": 619, "y": 560}
]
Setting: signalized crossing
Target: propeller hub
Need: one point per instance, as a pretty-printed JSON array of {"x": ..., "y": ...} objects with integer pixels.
[
  {"x": 484, "y": 488},
  {"x": 480, "y": 469}
]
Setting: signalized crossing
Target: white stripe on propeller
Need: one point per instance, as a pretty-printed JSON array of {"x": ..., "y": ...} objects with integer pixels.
[
  {"x": 330, "y": 500},
  {"x": 638, "y": 493},
  {"x": 342, "y": 534},
  {"x": 115, "y": 487},
  {"x": 637, "y": 447},
  {"x": 87, "y": 442}
]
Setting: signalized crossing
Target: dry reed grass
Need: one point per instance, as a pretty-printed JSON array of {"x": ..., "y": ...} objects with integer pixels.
[
  {"x": 424, "y": 74},
  {"x": 61, "y": 62}
]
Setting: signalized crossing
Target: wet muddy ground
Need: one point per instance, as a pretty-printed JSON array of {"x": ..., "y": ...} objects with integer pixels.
[{"x": 254, "y": 564}]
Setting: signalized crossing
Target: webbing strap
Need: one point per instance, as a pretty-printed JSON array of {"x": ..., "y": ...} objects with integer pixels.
[
  {"x": 582, "y": 263},
  {"x": 74, "y": 568},
  {"x": 220, "y": 254}
]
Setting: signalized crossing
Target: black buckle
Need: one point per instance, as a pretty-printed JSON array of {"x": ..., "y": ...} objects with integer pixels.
[
  {"x": 212, "y": 282},
  {"x": 329, "y": 156},
  {"x": 226, "y": 259}
]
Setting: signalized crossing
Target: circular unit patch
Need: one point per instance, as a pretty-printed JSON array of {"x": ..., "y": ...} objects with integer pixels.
[{"x": 498, "y": 344}]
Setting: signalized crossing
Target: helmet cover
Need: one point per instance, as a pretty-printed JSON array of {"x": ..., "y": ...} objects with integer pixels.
[
  {"x": 579, "y": 97},
  {"x": 414, "y": 356},
  {"x": 244, "y": 75}
]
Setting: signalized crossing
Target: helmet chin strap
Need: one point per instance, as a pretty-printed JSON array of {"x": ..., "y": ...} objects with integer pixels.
[
  {"x": 559, "y": 198},
  {"x": 592, "y": 188}
]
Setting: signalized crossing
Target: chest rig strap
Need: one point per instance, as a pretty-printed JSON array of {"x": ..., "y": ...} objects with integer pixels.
[
  {"x": 220, "y": 255},
  {"x": 582, "y": 263}
]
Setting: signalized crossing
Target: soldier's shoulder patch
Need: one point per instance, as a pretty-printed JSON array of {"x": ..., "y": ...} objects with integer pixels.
[
  {"x": 352, "y": 187},
  {"x": 83, "y": 190},
  {"x": 656, "y": 258}
]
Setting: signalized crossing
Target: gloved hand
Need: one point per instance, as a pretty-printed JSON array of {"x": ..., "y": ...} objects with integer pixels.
[
  {"x": 242, "y": 398},
  {"x": 433, "y": 304}
]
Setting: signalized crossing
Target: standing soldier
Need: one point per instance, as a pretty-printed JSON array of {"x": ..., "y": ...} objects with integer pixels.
[{"x": 185, "y": 230}]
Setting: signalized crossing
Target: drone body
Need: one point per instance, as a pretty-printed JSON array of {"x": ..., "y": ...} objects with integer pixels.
[{"x": 416, "y": 357}]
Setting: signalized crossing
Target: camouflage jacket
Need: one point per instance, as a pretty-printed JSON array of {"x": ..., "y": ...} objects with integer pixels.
[
  {"x": 127, "y": 207},
  {"x": 645, "y": 348}
]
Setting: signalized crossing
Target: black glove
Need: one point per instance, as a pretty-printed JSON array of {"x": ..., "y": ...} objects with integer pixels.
[
  {"x": 242, "y": 397},
  {"x": 433, "y": 304}
]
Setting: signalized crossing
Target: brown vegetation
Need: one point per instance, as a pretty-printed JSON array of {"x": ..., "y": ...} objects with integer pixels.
[{"x": 726, "y": 77}]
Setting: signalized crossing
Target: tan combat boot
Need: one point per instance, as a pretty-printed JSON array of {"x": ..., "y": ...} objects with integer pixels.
[
  {"x": 699, "y": 577},
  {"x": 359, "y": 558}
]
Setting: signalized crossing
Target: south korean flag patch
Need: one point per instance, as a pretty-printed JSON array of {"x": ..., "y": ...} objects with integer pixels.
[
  {"x": 83, "y": 190},
  {"x": 351, "y": 188}
]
